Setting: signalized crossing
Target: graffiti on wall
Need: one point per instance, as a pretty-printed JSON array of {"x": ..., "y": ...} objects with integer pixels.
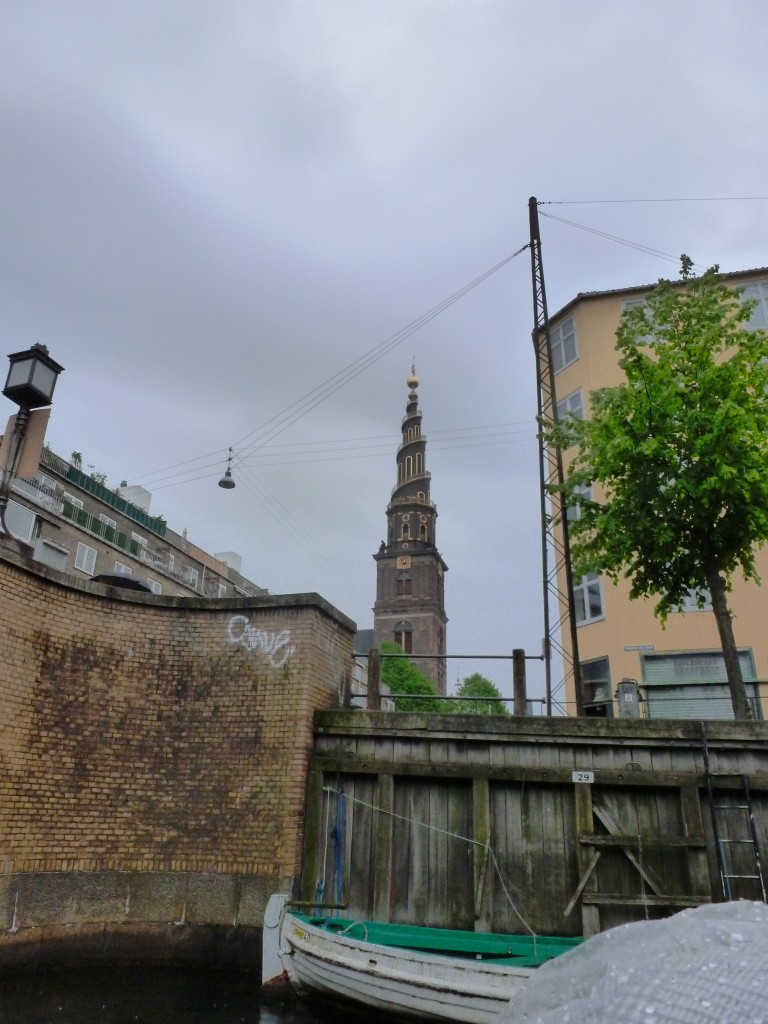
[{"x": 276, "y": 646}]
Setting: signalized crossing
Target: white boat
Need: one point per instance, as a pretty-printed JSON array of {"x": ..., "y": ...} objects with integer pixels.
[{"x": 430, "y": 974}]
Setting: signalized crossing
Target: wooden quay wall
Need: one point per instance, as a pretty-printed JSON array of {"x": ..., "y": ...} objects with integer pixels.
[{"x": 561, "y": 826}]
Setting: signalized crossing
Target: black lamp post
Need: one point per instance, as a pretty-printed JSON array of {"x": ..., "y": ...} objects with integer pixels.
[{"x": 31, "y": 380}]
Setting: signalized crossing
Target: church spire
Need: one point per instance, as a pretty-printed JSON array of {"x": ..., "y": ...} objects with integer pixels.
[{"x": 410, "y": 607}]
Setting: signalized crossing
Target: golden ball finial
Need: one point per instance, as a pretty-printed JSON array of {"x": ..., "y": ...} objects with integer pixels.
[{"x": 413, "y": 380}]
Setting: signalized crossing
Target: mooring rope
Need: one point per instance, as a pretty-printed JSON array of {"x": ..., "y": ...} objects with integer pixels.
[{"x": 444, "y": 832}]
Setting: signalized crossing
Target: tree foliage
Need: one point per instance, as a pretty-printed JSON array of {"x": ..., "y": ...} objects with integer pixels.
[
  {"x": 402, "y": 676},
  {"x": 669, "y": 483},
  {"x": 475, "y": 686}
]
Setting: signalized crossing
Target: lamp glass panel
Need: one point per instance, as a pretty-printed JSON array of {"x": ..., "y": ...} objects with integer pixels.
[
  {"x": 19, "y": 373},
  {"x": 43, "y": 379}
]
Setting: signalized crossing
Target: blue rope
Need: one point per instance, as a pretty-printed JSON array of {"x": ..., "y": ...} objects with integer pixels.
[{"x": 338, "y": 846}]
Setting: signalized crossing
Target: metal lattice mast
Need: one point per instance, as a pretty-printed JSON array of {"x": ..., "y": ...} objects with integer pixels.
[{"x": 557, "y": 574}]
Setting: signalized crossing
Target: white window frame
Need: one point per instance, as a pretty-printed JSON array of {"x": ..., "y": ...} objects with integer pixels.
[
  {"x": 20, "y": 513},
  {"x": 191, "y": 576},
  {"x": 648, "y": 339},
  {"x": 72, "y": 500},
  {"x": 584, "y": 592},
  {"x": 85, "y": 556},
  {"x": 122, "y": 567},
  {"x": 108, "y": 521},
  {"x": 46, "y": 481},
  {"x": 142, "y": 541},
  {"x": 564, "y": 347},
  {"x": 756, "y": 290},
  {"x": 571, "y": 405},
  {"x": 154, "y": 586},
  {"x": 573, "y": 512},
  {"x": 689, "y": 602},
  {"x": 222, "y": 590}
]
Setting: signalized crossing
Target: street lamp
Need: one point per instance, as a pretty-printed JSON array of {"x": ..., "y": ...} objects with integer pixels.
[
  {"x": 226, "y": 481},
  {"x": 31, "y": 380}
]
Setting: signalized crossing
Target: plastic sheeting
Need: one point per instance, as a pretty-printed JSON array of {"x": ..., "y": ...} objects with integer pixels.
[{"x": 702, "y": 966}]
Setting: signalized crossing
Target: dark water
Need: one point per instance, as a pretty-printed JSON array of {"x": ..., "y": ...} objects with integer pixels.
[{"x": 156, "y": 996}]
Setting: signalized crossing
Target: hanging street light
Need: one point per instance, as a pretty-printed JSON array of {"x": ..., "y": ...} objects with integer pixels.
[{"x": 226, "y": 481}]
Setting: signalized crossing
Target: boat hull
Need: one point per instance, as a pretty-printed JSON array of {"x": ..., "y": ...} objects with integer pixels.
[{"x": 422, "y": 985}]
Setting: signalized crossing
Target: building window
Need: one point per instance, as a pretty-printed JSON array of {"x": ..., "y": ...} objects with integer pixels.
[
  {"x": 571, "y": 405},
  {"x": 85, "y": 559},
  {"x": 691, "y": 601},
  {"x": 596, "y": 688},
  {"x": 222, "y": 590},
  {"x": 419, "y": 462},
  {"x": 107, "y": 521},
  {"x": 648, "y": 339},
  {"x": 423, "y": 533},
  {"x": 122, "y": 567},
  {"x": 563, "y": 342},
  {"x": 171, "y": 562},
  {"x": 403, "y": 635},
  {"x": 141, "y": 541},
  {"x": 46, "y": 481},
  {"x": 191, "y": 576},
  {"x": 403, "y": 584},
  {"x": 72, "y": 500},
  {"x": 587, "y": 598},
  {"x": 20, "y": 521},
  {"x": 573, "y": 511},
  {"x": 405, "y": 532},
  {"x": 154, "y": 586},
  {"x": 759, "y": 291},
  {"x": 409, "y": 465}
]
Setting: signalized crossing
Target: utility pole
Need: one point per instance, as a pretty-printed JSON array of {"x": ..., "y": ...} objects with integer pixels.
[{"x": 557, "y": 578}]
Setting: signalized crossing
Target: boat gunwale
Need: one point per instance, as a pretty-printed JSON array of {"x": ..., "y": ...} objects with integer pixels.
[{"x": 455, "y": 945}]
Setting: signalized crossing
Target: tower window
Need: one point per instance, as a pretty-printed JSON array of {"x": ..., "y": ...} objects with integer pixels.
[
  {"x": 409, "y": 465},
  {"x": 403, "y": 584},
  {"x": 405, "y": 532},
  {"x": 423, "y": 533},
  {"x": 403, "y": 634},
  {"x": 419, "y": 462}
]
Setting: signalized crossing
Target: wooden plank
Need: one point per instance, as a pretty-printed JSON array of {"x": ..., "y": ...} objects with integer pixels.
[
  {"x": 481, "y": 834},
  {"x": 645, "y": 840},
  {"x": 582, "y": 793},
  {"x": 646, "y": 872},
  {"x": 583, "y": 882},
  {"x": 622, "y": 900},
  {"x": 313, "y": 839},
  {"x": 402, "y": 765},
  {"x": 693, "y": 825},
  {"x": 382, "y": 852}
]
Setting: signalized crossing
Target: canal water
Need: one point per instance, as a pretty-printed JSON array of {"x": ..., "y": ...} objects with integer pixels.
[{"x": 134, "y": 995}]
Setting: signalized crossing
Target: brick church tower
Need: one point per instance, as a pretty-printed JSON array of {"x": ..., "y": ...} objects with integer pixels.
[{"x": 410, "y": 572}]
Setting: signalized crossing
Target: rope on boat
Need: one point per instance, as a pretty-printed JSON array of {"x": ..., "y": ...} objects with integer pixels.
[{"x": 441, "y": 831}]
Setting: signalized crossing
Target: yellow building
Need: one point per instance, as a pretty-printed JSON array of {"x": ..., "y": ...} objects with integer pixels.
[{"x": 679, "y": 668}]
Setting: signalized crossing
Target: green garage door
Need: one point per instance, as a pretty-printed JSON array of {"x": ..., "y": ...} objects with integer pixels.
[{"x": 692, "y": 685}]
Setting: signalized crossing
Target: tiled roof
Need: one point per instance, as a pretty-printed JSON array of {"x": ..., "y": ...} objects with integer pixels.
[{"x": 641, "y": 288}]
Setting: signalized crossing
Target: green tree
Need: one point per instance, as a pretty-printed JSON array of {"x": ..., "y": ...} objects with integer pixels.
[
  {"x": 679, "y": 454},
  {"x": 402, "y": 676},
  {"x": 475, "y": 686}
]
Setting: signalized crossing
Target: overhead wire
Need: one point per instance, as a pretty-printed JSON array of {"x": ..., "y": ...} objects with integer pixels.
[
  {"x": 671, "y": 199},
  {"x": 298, "y": 409},
  {"x": 639, "y": 246}
]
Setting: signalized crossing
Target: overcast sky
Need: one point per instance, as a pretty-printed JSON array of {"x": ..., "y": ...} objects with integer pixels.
[{"x": 213, "y": 211}]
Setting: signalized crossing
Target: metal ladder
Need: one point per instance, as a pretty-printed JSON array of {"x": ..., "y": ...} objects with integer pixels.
[{"x": 724, "y": 855}]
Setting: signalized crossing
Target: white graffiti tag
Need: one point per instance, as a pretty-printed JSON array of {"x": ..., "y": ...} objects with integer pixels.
[{"x": 276, "y": 646}]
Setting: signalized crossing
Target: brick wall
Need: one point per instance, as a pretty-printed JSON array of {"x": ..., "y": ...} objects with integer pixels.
[{"x": 147, "y": 735}]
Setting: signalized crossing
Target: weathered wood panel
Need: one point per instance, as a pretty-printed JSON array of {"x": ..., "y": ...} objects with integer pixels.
[{"x": 631, "y": 837}]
